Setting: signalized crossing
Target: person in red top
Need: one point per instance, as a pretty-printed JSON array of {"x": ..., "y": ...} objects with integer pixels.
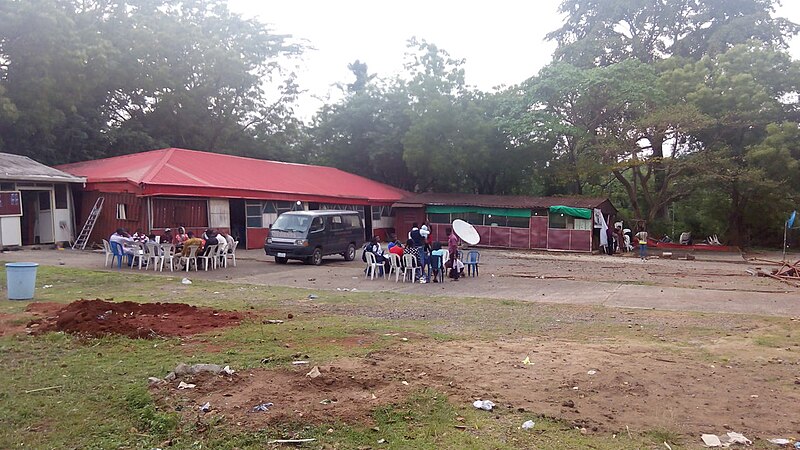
[{"x": 397, "y": 249}]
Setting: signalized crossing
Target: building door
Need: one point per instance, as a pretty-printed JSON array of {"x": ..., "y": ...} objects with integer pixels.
[
  {"x": 44, "y": 218},
  {"x": 367, "y": 223},
  {"x": 238, "y": 221},
  {"x": 37, "y": 217}
]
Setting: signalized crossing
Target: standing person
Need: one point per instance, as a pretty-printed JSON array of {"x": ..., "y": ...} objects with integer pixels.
[
  {"x": 641, "y": 236},
  {"x": 414, "y": 229},
  {"x": 425, "y": 232},
  {"x": 452, "y": 247},
  {"x": 611, "y": 244},
  {"x": 419, "y": 242}
]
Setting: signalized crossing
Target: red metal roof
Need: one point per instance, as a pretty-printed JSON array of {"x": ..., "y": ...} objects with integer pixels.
[{"x": 175, "y": 171}]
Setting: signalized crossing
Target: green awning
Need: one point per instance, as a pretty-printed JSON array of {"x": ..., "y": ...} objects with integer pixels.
[
  {"x": 510, "y": 212},
  {"x": 581, "y": 213}
]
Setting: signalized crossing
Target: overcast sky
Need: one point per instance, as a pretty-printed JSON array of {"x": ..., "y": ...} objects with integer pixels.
[{"x": 501, "y": 40}]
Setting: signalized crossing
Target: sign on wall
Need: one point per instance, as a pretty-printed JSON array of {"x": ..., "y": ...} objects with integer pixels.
[{"x": 10, "y": 204}]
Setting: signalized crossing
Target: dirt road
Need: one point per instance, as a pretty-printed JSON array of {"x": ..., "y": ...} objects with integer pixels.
[{"x": 712, "y": 283}]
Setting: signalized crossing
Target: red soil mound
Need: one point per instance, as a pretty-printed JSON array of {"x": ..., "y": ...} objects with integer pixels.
[{"x": 135, "y": 320}]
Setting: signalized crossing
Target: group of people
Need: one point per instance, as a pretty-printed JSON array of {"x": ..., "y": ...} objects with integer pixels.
[
  {"x": 420, "y": 245},
  {"x": 182, "y": 240},
  {"x": 622, "y": 239}
]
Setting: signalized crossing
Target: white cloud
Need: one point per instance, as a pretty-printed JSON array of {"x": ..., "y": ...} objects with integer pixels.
[{"x": 502, "y": 41}]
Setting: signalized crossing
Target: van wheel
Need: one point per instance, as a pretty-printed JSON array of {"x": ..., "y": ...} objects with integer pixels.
[
  {"x": 316, "y": 257},
  {"x": 280, "y": 260},
  {"x": 350, "y": 253}
]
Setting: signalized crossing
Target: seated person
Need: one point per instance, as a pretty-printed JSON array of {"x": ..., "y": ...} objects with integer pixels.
[
  {"x": 210, "y": 240},
  {"x": 167, "y": 238},
  {"x": 413, "y": 250},
  {"x": 140, "y": 236},
  {"x": 180, "y": 238},
  {"x": 191, "y": 241},
  {"x": 437, "y": 251},
  {"x": 396, "y": 248},
  {"x": 222, "y": 242},
  {"x": 122, "y": 238},
  {"x": 231, "y": 242},
  {"x": 374, "y": 247}
]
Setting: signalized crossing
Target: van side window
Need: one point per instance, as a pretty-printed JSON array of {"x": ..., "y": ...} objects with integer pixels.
[
  {"x": 352, "y": 222},
  {"x": 336, "y": 223},
  {"x": 316, "y": 225}
]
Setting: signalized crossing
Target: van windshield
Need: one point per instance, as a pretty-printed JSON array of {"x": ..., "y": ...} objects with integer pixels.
[{"x": 292, "y": 222}]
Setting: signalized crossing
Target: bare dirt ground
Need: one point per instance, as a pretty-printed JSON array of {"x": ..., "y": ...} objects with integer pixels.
[
  {"x": 714, "y": 282},
  {"x": 604, "y": 387},
  {"x": 707, "y": 347},
  {"x": 96, "y": 318}
]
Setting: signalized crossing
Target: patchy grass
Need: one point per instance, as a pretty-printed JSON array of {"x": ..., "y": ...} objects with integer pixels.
[{"x": 100, "y": 399}]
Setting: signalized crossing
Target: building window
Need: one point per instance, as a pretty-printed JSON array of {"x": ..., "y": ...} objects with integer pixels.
[
  {"x": 561, "y": 221},
  {"x": 61, "y": 196},
  {"x": 122, "y": 211},
  {"x": 6, "y": 186},
  {"x": 44, "y": 200},
  {"x": 255, "y": 219},
  {"x": 376, "y": 213},
  {"x": 519, "y": 222},
  {"x": 438, "y": 218}
]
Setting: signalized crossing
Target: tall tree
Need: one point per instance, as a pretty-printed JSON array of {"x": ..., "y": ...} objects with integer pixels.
[
  {"x": 120, "y": 76},
  {"x": 603, "y": 32}
]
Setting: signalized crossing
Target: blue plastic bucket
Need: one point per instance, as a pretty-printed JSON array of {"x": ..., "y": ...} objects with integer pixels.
[{"x": 21, "y": 280}]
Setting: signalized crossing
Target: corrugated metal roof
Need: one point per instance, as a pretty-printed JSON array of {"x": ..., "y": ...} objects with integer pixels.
[
  {"x": 499, "y": 201},
  {"x": 22, "y": 168},
  {"x": 172, "y": 170}
]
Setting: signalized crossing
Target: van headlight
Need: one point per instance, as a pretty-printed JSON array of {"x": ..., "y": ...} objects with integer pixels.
[
  {"x": 269, "y": 240},
  {"x": 301, "y": 242}
]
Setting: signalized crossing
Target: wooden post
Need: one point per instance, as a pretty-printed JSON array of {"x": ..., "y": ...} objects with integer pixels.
[{"x": 785, "y": 226}]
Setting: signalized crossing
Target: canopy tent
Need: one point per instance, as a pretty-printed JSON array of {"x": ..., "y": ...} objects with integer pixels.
[
  {"x": 509, "y": 212},
  {"x": 580, "y": 213}
]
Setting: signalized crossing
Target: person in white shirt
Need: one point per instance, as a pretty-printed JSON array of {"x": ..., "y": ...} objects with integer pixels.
[
  {"x": 223, "y": 243},
  {"x": 122, "y": 238},
  {"x": 231, "y": 242}
]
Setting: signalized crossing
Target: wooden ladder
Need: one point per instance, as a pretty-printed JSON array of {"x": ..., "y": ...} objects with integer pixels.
[{"x": 83, "y": 238}]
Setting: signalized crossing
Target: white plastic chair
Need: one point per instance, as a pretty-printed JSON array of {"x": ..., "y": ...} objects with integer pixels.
[
  {"x": 410, "y": 263},
  {"x": 372, "y": 265},
  {"x": 107, "y": 251},
  {"x": 167, "y": 254},
  {"x": 208, "y": 257},
  {"x": 231, "y": 254},
  {"x": 220, "y": 260},
  {"x": 140, "y": 253},
  {"x": 153, "y": 255},
  {"x": 191, "y": 257},
  {"x": 394, "y": 266}
]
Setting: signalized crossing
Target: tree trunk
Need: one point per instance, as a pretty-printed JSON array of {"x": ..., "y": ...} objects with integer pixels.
[{"x": 736, "y": 230}]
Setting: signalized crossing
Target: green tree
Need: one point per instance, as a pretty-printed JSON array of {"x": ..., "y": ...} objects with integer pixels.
[
  {"x": 604, "y": 32},
  {"x": 99, "y": 77}
]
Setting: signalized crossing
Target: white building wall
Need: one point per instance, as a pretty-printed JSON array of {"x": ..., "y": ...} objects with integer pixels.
[{"x": 10, "y": 231}]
